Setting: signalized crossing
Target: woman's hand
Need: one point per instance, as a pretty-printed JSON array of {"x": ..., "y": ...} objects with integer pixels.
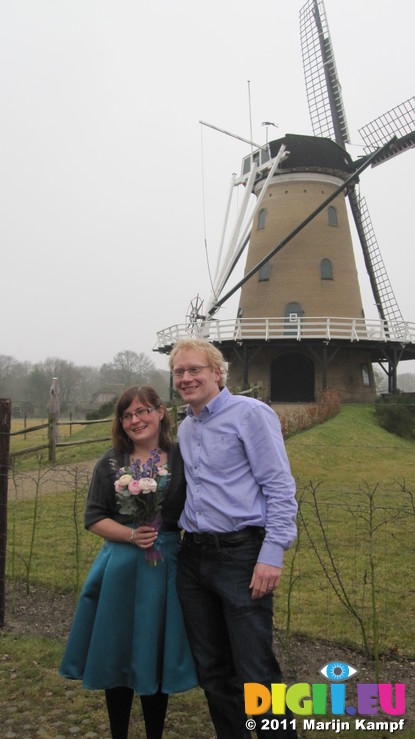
[{"x": 145, "y": 536}]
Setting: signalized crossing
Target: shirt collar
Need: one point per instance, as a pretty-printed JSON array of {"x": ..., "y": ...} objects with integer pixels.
[{"x": 213, "y": 406}]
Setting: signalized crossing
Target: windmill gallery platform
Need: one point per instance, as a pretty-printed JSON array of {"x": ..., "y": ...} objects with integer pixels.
[{"x": 297, "y": 360}]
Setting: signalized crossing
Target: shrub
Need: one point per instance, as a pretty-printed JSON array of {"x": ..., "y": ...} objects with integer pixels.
[
  {"x": 104, "y": 411},
  {"x": 396, "y": 414},
  {"x": 304, "y": 418}
]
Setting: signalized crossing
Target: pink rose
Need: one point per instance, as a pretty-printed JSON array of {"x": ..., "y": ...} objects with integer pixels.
[
  {"x": 147, "y": 485},
  {"x": 117, "y": 486},
  {"x": 134, "y": 487}
]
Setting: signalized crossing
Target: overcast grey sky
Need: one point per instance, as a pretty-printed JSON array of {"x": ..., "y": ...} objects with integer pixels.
[{"x": 103, "y": 206}]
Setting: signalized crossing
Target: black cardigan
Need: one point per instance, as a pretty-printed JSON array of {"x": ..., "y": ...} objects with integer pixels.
[{"x": 101, "y": 502}]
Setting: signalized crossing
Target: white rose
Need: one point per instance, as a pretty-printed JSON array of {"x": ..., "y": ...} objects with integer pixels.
[
  {"x": 148, "y": 485},
  {"x": 125, "y": 480}
]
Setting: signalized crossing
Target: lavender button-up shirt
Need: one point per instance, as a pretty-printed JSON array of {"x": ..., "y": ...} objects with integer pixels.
[{"x": 238, "y": 473}]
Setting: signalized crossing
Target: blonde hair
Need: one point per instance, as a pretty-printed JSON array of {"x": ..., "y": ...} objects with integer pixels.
[{"x": 213, "y": 356}]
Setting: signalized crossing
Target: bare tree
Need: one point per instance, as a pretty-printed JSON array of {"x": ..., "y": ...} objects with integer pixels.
[
  {"x": 7, "y": 366},
  {"x": 129, "y": 368}
]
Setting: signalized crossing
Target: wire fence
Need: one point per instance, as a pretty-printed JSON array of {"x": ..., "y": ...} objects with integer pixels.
[{"x": 347, "y": 578}]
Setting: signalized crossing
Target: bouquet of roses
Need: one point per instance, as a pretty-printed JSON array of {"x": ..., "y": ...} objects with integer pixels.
[{"x": 139, "y": 493}]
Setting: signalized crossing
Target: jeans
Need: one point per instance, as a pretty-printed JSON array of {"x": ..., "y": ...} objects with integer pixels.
[{"x": 229, "y": 633}]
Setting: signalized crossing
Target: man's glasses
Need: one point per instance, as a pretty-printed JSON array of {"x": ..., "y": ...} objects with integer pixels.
[
  {"x": 139, "y": 413},
  {"x": 193, "y": 371}
]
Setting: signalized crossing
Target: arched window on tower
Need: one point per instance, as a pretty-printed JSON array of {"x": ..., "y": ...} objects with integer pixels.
[
  {"x": 262, "y": 218},
  {"x": 264, "y": 272},
  {"x": 326, "y": 269},
  {"x": 293, "y": 313},
  {"x": 332, "y": 216}
]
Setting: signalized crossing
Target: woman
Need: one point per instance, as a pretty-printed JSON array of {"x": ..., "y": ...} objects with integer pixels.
[{"x": 128, "y": 635}]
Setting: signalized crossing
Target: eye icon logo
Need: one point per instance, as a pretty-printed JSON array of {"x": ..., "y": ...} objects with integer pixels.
[{"x": 338, "y": 671}]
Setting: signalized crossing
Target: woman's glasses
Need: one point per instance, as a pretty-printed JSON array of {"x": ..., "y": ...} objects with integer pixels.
[{"x": 139, "y": 413}]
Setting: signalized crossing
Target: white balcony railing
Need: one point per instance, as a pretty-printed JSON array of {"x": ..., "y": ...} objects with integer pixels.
[{"x": 299, "y": 328}]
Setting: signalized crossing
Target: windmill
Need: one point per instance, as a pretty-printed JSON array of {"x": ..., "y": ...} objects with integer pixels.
[
  {"x": 194, "y": 316},
  {"x": 300, "y": 326}
]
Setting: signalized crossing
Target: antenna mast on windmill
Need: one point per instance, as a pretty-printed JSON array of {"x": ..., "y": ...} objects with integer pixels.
[{"x": 300, "y": 326}]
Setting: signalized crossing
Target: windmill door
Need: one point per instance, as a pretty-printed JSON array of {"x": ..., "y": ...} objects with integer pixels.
[{"x": 292, "y": 379}]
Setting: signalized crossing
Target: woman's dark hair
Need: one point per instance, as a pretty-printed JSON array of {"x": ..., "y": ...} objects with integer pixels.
[{"x": 149, "y": 398}]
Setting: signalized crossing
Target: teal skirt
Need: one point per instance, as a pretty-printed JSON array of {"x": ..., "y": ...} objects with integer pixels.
[{"x": 128, "y": 628}]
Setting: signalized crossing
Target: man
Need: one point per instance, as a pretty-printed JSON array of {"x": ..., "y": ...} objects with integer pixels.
[{"x": 238, "y": 519}]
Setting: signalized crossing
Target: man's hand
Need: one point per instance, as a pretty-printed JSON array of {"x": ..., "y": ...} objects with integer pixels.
[{"x": 265, "y": 579}]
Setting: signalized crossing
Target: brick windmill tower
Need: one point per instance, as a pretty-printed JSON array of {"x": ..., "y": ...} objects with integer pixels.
[{"x": 300, "y": 326}]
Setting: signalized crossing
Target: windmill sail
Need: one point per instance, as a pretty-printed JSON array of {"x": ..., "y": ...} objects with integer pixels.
[
  {"x": 321, "y": 81},
  {"x": 381, "y": 287},
  {"x": 328, "y": 119},
  {"x": 399, "y": 122},
  {"x": 242, "y": 227}
]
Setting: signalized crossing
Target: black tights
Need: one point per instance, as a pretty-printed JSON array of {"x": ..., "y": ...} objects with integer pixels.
[{"x": 119, "y": 702}]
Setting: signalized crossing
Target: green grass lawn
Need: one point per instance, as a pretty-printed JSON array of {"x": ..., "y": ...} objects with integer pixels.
[
  {"x": 356, "y": 488},
  {"x": 74, "y": 452},
  {"x": 357, "y": 470},
  {"x": 36, "y": 702},
  {"x": 350, "y": 569},
  {"x": 350, "y": 449}
]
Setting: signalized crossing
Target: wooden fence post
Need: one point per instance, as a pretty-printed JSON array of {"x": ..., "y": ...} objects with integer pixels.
[
  {"x": 5, "y": 418},
  {"x": 52, "y": 436}
]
